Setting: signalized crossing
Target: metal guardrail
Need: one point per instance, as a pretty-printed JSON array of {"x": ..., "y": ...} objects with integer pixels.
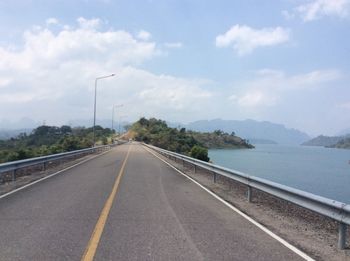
[
  {"x": 14, "y": 165},
  {"x": 10, "y": 168},
  {"x": 335, "y": 210}
]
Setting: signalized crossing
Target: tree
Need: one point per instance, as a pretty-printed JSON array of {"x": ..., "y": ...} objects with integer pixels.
[
  {"x": 70, "y": 143},
  {"x": 65, "y": 129},
  {"x": 200, "y": 153},
  {"x": 104, "y": 140},
  {"x": 143, "y": 121},
  {"x": 218, "y": 132}
]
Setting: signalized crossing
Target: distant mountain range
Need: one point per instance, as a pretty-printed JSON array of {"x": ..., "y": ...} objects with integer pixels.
[
  {"x": 258, "y": 131},
  {"x": 13, "y": 129},
  {"x": 6, "y": 134},
  {"x": 325, "y": 141}
]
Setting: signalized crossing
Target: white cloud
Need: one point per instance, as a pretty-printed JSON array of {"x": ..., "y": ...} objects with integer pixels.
[
  {"x": 89, "y": 23},
  {"x": 316, "y": 9},
  {"x": 52, "y": 21},
  {"x": 256, "y": 98},
  {"x": 314, "y": 78},
  {"x": 175, "y": 45},
  {"x": 53, "y": 73},
  {"x": 44, "y": 48},
  {"x": 144, "y": 35},
  {"x": 270, "y": 86},
  {"x": 177, "y": 94},
  {"x": 245, "y": 39},
  {"x": 4, "y": 82},
  {"x": 288, "y": 15}
]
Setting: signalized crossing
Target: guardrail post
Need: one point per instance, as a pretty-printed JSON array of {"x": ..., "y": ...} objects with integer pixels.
[
  {"x": 249, "y": 194},
  {"x": 195, "y": 168},
  {"x": 215, "y": 176},
  {"x": 44, "y": 166},
  {"x": 342, "y": 235},
  {"x": 14, "y": 175}
]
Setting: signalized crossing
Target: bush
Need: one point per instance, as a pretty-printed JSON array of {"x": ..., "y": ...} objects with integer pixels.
[
  {"x": 200, "y": 153},
  {"x": 104, "y": 140}
]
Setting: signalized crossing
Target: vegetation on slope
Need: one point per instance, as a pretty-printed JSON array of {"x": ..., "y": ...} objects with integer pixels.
[
  {"x": 46, "y": 140},
  {"x": 323, "y": 141},
  {"x": 219, "y": 140},
  {"x": 195, "y": 144},
  {"x": 342, "y": 144}
]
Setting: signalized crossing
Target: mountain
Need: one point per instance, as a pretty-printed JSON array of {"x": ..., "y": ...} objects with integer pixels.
[
  {"x": 251, "y": 129},
  {"x": 325, "y": 141},
  {"x": 342, "y": 144},
  {"x": 6, "y": 134},
  {"x": 23, "y": 123}
]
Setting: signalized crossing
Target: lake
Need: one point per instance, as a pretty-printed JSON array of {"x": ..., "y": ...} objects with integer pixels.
[{"x": 322, "y": 171}]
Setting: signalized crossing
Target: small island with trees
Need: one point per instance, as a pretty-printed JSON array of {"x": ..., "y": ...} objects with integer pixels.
[
  {"x": 195, "y": 144},
  {"x": 339, "y": 142}
]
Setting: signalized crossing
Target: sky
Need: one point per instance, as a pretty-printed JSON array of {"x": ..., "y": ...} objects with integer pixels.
[{"x": 283, "y": 61}]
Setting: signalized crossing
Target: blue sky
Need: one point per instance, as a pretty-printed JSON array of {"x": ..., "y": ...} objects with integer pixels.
[{"x": 283, "y": 61}]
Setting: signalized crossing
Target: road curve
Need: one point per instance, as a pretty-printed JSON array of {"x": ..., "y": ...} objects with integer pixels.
[{"x": 156, "y": 214}]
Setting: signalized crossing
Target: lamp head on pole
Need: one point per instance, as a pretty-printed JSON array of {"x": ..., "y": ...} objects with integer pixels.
[{"x": 102, "y": 77}]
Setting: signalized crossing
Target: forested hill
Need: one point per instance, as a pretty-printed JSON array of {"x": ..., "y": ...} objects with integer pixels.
[
  {"x": 46, "y": 140},
  {"x": 342, "y": 144},
  {"x": 323, "y": 141},
  {"x": 195, "y": 144},
  {"x": 220, "y": 140}
]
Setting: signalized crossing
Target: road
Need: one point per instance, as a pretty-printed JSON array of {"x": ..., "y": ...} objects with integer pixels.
[{"x": 155, "y": 214}]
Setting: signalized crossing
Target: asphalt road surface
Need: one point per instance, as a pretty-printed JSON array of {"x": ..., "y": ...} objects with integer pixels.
[{"x": 154, "y": 214}]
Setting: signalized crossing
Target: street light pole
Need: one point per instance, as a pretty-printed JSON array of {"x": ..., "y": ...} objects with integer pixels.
[{"x": 98, "y": 78}]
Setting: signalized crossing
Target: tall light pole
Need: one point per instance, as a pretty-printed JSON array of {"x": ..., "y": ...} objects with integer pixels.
[
  {"x": 98, "y": 78},
  {"x": 115, "y": 106}
]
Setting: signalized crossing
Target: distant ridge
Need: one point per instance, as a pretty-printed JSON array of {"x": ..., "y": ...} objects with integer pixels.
[
  {"x": 251, "y": 129},
  {"x": 8, "y": 133},
  {"x": 324, "y": 141},
  {"x": 328, "y": 141}
]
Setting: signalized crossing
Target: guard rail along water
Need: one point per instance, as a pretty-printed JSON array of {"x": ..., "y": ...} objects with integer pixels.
[
  {"x": 330, "y": 208},
  {"x": 12, "y": 167}
]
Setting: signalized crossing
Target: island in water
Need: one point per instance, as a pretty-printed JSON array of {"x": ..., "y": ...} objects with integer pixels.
[
  {"x": 192, "y": 143},
  {"x": 341, "y": 142}
]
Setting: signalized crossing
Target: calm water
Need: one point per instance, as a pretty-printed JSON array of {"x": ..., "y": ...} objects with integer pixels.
[{"x": 322, "y": 171}]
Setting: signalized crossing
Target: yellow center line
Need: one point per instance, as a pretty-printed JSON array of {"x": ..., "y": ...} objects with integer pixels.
[{"x": 97, "y": 233}]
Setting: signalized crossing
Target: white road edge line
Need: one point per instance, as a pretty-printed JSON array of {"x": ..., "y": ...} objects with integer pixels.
[
  {"x": 51, "y": 175},
  {"x": 263, "y": 228}
]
